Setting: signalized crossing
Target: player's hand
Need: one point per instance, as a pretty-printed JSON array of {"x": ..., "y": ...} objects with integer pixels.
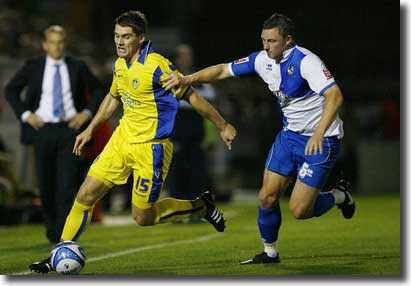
[
  {"x": 81, "y": 140},
  {"x": 78, "y": 120},
  {"x": 173, "y": 79},
  {"x": 228, "y": 133},
  {"x": 314, "y": 145},
  {"x": 35, "y": 121}
]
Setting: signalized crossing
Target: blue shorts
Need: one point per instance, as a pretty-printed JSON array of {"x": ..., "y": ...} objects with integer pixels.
[{"x": 287, "y": 158}]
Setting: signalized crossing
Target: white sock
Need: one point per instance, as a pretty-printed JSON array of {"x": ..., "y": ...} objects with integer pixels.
[
  {"x": 271, "y": 249},
  {"x": 339, "y": 196}
]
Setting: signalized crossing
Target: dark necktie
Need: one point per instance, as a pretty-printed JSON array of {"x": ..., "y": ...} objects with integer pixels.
[{"x": 57, "y": 93}]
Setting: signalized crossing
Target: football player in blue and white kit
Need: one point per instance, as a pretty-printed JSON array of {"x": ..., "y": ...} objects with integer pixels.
[{"x": 308, "y": 145}]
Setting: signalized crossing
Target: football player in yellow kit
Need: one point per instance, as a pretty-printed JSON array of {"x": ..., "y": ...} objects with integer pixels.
[{"x": 141, "y": 143}]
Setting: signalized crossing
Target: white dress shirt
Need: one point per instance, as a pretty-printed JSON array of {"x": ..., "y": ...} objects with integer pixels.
[{"x": 45, "y": 109}]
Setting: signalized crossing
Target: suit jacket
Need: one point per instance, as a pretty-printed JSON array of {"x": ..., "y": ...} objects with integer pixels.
[{"x": 30, "y": 75}]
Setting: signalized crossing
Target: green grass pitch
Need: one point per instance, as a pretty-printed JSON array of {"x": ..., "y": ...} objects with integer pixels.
[{"x": 369, "y": 244}]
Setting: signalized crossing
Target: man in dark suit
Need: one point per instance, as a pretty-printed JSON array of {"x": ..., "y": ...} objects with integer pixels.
[
  {"x": 54, "y": 108},
  {"x": 189, "y": 174}
]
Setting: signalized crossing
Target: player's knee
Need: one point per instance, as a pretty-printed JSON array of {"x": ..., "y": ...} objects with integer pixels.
[
  {"x": 86, "y": 196},
  {"x": 299, "y": 212},
  {"x": 143, "y": 220},
  {"x": 91, "y": 190},
  {"x": 143, "y": 217},
  {"x": 267, "y": 199}
]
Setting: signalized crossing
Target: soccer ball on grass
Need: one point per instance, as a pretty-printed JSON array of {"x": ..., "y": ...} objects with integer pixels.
[{"x": 67, "y": 258}]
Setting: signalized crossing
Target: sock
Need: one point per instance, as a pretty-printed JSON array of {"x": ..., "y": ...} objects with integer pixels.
[
  {"x": 338, "y": 196},
  {"x": 171, "y": 210},
  {"x": 271, "y": 249},
  {"x": 325, "y": 201},
  {"x": 269, "y": 222},
  {"x": 77, "y": 220}
]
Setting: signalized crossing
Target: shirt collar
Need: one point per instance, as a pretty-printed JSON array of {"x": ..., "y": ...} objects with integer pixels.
[
  {"x": 52, "y": 62},
  {"x": 146, "y": 50},
  {"x": 287, "y": 53}
]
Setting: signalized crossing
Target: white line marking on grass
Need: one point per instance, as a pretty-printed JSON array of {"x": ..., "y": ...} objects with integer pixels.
[
  {"x": 148, "y": 247},
  {"x": 20, "y": 273},
  {"x": 229, "y": 214},
  {"x": 139, "y": 249}
]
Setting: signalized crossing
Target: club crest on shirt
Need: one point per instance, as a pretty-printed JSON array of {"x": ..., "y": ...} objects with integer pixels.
[
  {"x": 135, "y": 83},
  {"x": 269, "y": 67},
  {"x": 290, "y": 70},
  {"x": 242, "y": 60}
]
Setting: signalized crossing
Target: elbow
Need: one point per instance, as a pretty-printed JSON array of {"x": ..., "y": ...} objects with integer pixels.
[
  {"x": 340, "y": 100},
  {"x": 335, "y": 97},
  {"x": 223, "y": 71}
]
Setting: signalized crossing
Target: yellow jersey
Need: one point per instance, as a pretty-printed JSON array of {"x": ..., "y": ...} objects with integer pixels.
[{"x": 149, "y": 109}]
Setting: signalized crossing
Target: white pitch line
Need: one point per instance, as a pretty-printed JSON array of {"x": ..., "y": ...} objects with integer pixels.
[
  {"x": 229, "y": 214},
  {"x": 148, "y": 247},
  {"x": 139, "y": 249}
]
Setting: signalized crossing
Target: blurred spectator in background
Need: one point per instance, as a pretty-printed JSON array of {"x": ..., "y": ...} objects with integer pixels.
[
  {"x": 17, "y": 203},
  {"x": 391, "y": 118},
  {"x": 11, "y": 26},
  {"x": 8, "y": 182},
  {"x": 52, "y": 112},
  {"x": 193, "y": 137}
]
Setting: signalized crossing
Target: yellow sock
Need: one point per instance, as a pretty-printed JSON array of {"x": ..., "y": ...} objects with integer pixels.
[
  {"x": 170, "y": 209},
  {"x": 77, "y": 220}
]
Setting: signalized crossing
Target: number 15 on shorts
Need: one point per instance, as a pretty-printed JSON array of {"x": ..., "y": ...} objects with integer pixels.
[{"x": 142, "y": 184}]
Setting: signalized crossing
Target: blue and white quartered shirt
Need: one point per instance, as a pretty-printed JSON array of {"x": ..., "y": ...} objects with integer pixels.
[{"x": 298, "y": 82}]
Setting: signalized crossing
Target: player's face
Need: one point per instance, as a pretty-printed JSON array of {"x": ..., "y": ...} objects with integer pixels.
[
  {"x": 274, "y": 43},
  {"x": 127, "y": 42},
  {"x": 54, "y": 44}
]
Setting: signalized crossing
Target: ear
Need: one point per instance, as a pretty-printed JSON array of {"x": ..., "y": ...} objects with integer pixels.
[
  {"x": 142, "y": 39},
  {"x": 289, "y": 40},
  {"x": 44, "y": 45}
]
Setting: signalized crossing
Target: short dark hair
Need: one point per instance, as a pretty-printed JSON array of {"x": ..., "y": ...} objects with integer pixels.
[
  {"x": 284, "y": 24},
  {"x": 134, "y": 19}
]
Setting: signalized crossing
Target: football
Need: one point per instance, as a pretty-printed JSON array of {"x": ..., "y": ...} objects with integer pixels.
[{"x": 67, "y": 258}]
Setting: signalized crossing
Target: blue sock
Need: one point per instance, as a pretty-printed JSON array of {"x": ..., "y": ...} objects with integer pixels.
[
  {"x": 325, "y": 201},
  {"x": 269, "y": 222}
]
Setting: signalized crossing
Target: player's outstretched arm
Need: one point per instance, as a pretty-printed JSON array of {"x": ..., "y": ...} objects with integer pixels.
[
  {"x": 105, "y": 111},
  {"x": 209, "y": 74},
  {"x": 203, "y": 107}
]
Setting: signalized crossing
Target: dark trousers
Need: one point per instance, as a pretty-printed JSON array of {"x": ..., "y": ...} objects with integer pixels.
[
  {"x": 58, "y": 173},
  {"x": 187, "y": 176},
  {"x": 188, "y": 171}
]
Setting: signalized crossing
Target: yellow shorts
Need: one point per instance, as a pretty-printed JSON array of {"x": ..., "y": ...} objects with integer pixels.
[{"x": 148, "y": 161}]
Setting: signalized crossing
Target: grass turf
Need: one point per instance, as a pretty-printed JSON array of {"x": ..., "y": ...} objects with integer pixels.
[{"x": 369, "y": 244}]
